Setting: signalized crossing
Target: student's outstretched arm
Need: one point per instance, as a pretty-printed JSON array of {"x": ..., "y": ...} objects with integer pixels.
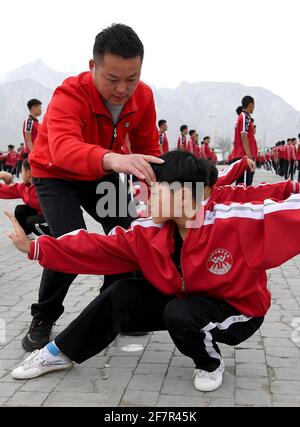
[
  {"x": 231, "y": 173},
  {"x": 269, "y": 232},
  {"x": 79, "y": 252},
  {"x": 241, "y": 194}
]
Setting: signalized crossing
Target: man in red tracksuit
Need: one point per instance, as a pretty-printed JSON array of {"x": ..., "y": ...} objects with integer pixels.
[
  {"x": 202, "y": 288},
  {"x": 80, "y": 145}
]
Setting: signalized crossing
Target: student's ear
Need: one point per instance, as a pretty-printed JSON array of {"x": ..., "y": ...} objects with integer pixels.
[{"x": 91, "y": 65}]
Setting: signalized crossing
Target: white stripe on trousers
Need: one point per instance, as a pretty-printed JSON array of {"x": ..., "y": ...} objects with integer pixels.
[{"x": 208, "y": 341}]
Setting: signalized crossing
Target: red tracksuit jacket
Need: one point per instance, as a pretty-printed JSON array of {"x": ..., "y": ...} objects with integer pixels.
[
  {"x": 78, "y": 130},
  {"x": 225, "y": 258},
  {"x": 26, "y": 192}
]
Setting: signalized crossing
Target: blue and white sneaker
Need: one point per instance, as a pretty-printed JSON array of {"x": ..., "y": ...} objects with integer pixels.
[{"x": 39, "y": 363}]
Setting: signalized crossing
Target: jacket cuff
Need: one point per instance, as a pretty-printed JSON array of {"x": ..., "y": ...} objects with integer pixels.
[
  {"x": 96, "y": 160},
  {"x": 34, "y": 250}
]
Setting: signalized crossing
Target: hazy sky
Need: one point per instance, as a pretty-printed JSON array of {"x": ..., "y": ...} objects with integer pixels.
[{"x": 251, "y": 42}]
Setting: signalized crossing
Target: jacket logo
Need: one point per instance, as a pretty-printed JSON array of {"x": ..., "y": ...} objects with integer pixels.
[
  {"x": 220, "y": 262},
  {"x": 126, "y": 125}
]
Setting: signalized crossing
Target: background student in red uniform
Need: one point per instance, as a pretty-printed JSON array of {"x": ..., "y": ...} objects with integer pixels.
[
  {"x": 207, "y": 290},
  {"x": 80, "y": 145},
  {"x": 206, "y": 152},
  {"x": 183, "y": 138},
  {"x": 163, "y": 139},
  {"x": 31, "y": 125},
  {"x": 10, "y": 159},
  {"x": 29, "y": 214},
  {"x": 244, "y": 139},
  {"x": 191, "y": 142}
]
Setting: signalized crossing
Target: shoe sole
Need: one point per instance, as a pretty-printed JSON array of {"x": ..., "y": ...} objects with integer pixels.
[{"x": 43, "y": 372}]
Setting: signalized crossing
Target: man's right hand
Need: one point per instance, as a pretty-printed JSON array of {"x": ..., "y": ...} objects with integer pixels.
[{"x": 134, "y": 164}]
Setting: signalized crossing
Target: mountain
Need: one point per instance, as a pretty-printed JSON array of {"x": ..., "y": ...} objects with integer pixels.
[
  {"x": 13, "y": 109},
  {"x": 37, "y": 71},
  {"x": 208, "y": 107}
]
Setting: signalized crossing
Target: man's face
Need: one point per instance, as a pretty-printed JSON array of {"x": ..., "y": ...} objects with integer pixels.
[
  {"x": 207, "y": 141},
  {"x": 116, "y": 78},
  {"x": 185, "y": 132}
]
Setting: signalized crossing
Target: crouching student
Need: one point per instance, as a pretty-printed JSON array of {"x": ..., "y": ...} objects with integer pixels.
[
  {"x": 29, "y": 215},
  {"x": 201, "y": 287}
]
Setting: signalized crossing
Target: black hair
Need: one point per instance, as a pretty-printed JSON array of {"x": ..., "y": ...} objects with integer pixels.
[
  {"x": 32, "y": 103},
  {"x": 119, "y": 40},
  {"x": 192, "y": 132},
  {"x": 161, "y": 122},
  {"x": 183, "y": 127},
  {"x": 10, "y": 147},
  {"x": 26, "y": 165},
  {"x": 184, "y": 167},
  {"x": 206, "y": 137},
  {"x": 246, "y": 101},
  {"x": 239, "y": 110}
]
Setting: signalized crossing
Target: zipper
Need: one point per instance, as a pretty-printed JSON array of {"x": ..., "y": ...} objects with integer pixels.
[
  {"x": 114, "y": 136},
  {"x": 183, "y": 284}
]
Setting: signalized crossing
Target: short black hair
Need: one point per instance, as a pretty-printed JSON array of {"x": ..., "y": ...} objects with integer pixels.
[
  {"x": 239, "y": 110},
  {"x": 119, "y": 40},
  {"x": 10, "y": 147},
  {"x": 206, "y": 137},
  {"x": 247, "y": 100},
  {"x": 184, "y": 167},
  {"x": 26, "y": 165},
  {"x": 33, "y": 102},
  {"x": 183, "y": 127},
  {"x": 191, "y": 132},
  {"x": 161, "y": 122}
]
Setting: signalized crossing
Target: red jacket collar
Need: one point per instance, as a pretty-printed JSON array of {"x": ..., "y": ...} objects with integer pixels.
[{"x": 98, "y": 105}]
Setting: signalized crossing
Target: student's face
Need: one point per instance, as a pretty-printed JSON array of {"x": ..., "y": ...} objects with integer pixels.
[
  {"x": 185, "y": 132},
  {"x": 36, "y": 110},
  {"x": 26, "y": 176},
  {"x": 251, "y": 107},
  {"x": 169, "y": 204},
  {"x": 116, "y": 78},
  {"x": 164, "y": 127}
]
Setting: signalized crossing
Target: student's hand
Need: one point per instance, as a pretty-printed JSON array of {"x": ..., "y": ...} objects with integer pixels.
[
  {"x": 7, "y": 177},
  {"x": 19, "y": 237},
  {"x": 134, "y": 164},
  {"x": 251, "y": 165}
]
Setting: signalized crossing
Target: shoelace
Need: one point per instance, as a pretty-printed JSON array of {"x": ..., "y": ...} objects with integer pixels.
[
  {"x": 30, "y": 358},
  {"x": 201, "y": 373}
]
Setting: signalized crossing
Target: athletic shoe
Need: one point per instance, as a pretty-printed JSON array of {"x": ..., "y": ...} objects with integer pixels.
[
  {"x": 209, "y": 381},
  {"x": 38, "y": 335},
  {"x": 39, "y": 363}
]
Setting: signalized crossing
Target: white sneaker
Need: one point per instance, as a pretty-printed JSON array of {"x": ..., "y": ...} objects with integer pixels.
[
  {"x": 39, "y": 363},
  {"x": 209, "y": 381},
  {"x": 31, "y": 236}
]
